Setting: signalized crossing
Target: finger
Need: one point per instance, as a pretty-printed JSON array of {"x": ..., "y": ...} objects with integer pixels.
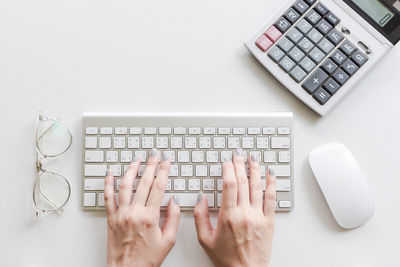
[
  {"x": 159, "y": 185},
  {"x": 202, "y": 220},
  {"x": 256, "y": 194},
  {"x": 241, "y": 177},
  {"x": 270, "y": 195},
  {"x": 143, "y": 189},
  {"x": 171, "y": 221},
  {"x": 126, "y": 187},
  {"x": 229, "y": 192},
  {"x": 109, "y": 196}
]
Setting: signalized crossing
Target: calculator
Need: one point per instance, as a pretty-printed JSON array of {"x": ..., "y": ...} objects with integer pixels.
[{"x": 319, "y": 50}]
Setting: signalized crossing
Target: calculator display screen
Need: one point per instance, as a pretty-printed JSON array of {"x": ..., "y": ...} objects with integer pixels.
[{"x": 376, "y": 10}]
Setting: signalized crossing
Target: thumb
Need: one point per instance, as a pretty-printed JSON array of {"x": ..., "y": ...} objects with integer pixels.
[
  {"x": 171, "y": 224},
  {"x": 202, "y": 220}
]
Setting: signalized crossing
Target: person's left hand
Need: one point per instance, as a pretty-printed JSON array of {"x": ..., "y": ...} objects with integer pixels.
[{"x": 134, "y": 235}]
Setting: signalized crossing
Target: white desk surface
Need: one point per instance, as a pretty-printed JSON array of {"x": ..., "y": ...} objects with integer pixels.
[{"x": 67, "y": 57}]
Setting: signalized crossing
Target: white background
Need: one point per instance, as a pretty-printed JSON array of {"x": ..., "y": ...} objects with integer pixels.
[{"x": 67, "y": 57}]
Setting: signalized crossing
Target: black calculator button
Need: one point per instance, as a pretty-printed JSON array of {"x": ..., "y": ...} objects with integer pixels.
[
  {"x": 335, "y": 37},
  {"x": 291, "y": 15},
  {"x": 282, "y": 24},
  {"x": 322, "y": 96},
  {"x": 331, "y": 86},
  {"x": 332, "y": 19},
  {"x": 350, "y": 67},
  {"x": 301, "y": 7},
  {"x": 315, "y": 81},
  {"x": 313, "y": 17},
  {"x": 338, "y": 57},
  {"x": 347, "y": 48},
  {"x": 324, "y": 27},
  {"x": 321, "y": 9},
  {"x": 329, "y": 66},
  {"x": 310, "y": 2},
  {"x": 359, "y": 58},
  {"x": 340, "y": 76}
]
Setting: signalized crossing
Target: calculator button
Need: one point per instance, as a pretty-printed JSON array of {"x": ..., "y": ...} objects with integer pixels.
[
  {"x": 315, "y": 81},
  {"x": 287, "y": 64},
  {"x": 291, "y": 15},
  {"x": 329, "y": 66},
  {"x": 310, "y": 2},
  {"x": 307, "y": 64},
  {"x": 332, "y": 19},
  {"x": 273, "y": 34},
  {"x": 316, "y": 55},
  {"x": 349, "y": 67},
  {"x": 264, "y": 43},
  {"x": 276, "y": 54},
  {"x": 338, "y": 57},
  {"x": 298, "y": 74},
  {"x": 331, "y": 86},
  {"x": 324, "y": 27},
  {"x": 347, "y": 48},
  {"x": 304, "y": 26},
  {"x": 301, "y": 7},
  {"x": 359, "y": 58},
  {"x": 313, "y": 17},
  {"x": 282, "y": 24},
  {"x": 294, "y": 35},
  {"x": 296, "y": 54},
  {"x": 285, "y": 44},
  {"x": 340, "y": 76},
  {"x": 321, "y": 96},
  {"x": 314, "y": 36},
  {"x": 306, "y": 45},
  {"x": 321, "y": 9},
  {"x": 335, "y": 37},
  {"x": 325, "y": 46}
]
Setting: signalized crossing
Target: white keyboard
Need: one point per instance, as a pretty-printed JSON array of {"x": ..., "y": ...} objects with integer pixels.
[{"x": 197, "y": 144}]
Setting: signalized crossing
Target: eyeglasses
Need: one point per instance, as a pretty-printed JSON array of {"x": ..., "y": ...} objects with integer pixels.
[{"x": 51, "y": 190}]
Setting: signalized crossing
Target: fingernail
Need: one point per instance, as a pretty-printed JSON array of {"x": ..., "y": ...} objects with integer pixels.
[
  {"x": 271, "y": 171},
  {"x": 239, "y": 152},
  {"x": 136, "y": 159},
  {"x": 199, "y": 197},
  {"x": 153, "y": 152},
  {"x": 108, "y": 172},
  {"x": 176, "y": 200},
  {"x": 254, "y": 158}
]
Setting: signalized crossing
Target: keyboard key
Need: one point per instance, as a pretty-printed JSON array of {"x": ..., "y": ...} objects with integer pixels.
[
  {"x": 282, "y": 24},
  {"x": 306, "y": 45},
  {"x": 281, "y": 170},
  {"x": 298, "y": 74},
  {"x": 310, "y": 2},
  {"x": 135, "y": 130},
  {"x": 194, "y": 184},
  {"x": 188, "y": 200},
  {"x": 296, "y": 54},
  {"x": 100, "y": 200},
  {"x": 121, "y": 130},
  {"x": 176, "y": 142},
  {"x": 315, "y": 81},
  {"x": 307, "y": 64},
  {"x": 179, "y": 184},
  {"x": 284, "y": 156},
  {"x": 294, "y": 35},
  {"x": 179, "y": 130},
  {"x": 248, "y": 142},
  {"x": 313, "y": 17},
  {"x": 315, "y": 36},
  {"x": 226, "y": 155},
  {"x": 194, "y": 130},
  {"x": 174, "y": 170},
  {"x": 233, "y": 142},
  {"x": 93, "y": 170},
  {"x": 215, "y": 170},
  {"x": 291, "y": 15},
  {"x": 283, "y": 130},
  {"x": 197, "y": 156},
  {"x": 283, "y": 185},
  {"x": 324, "y": 27},
  {"x": 105, "y": 142},
  {"x": 273, "y": 34},
  {"x": 219, "y": 142},
  {"x": 90, "y": 142},
  {"x": 239, "y": 130},
  {"x": 119, "y": 142},
  {"x": 349, "y": 67},
  {"x": 359, "y": 58},
  {"x": 269, "y": 130},
  {"x": 201, "y": 170},
  {"x": 321, "y": 9},
  {"x": 204, "y": 142},
  {"x": 186, "y": 170},
  {"x": 147, "y": 142},
  {"x": 303, "y": 26},
  {"x": 325, "y": 46},
  {"x": 276, "y": 54},
  {"x": 287, "y": 64},
  {"x": 164, "y": 130},
  {"x": 94, "y": 156},
  {"x": 150, "y": 130},
  {"x": 269, "y": 156},
  {"x": 285, "y": 204},
  {"x": 91, "y": 130},
  {"x": 224, "y": 130},
  {"x": 338, "y": 57},
  {"x": 106, "y": 130},
  {"x": 112, "y": 156},
  {"x": 162, "y": 142},
  {"x": 254, "y": 130},
  {"x": 280, "y": 142},
  {"x": 190, "y": 142},
  {"x": 116, "y": 169},
  {"x": 321, "y": 96},
  {"x": 208, "y": 185},
  {"x": 335, "y": 37},
  {"x": 340, "y": 76},
  {"x": 329, "y": 66},
  {"x": 301, "y": 7},
  {"x": 316, "y": 55},
  {"x": 89, "y": 199},
  {"x": 285, "y": 44},
  {"x": 331, "y": 86},
  {"x": 347, "y": 48},
  {"x": 332, "y": 19},
  {"x": 209, "y": 130}
]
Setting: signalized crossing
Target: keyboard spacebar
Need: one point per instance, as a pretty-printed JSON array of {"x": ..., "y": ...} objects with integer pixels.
[{"x": 187, "y": 199}]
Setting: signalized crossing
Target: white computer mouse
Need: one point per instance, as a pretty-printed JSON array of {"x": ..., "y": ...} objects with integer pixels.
[{"x": 342, "y": 184}]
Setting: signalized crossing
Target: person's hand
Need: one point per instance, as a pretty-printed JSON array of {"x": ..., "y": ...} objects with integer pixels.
[
  {"x": 134, "y": 235},
  {"x": 243, "y": 236}
]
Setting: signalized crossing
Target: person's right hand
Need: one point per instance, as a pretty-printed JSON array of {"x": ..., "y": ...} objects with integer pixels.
[{"x": 243, "y": 236}]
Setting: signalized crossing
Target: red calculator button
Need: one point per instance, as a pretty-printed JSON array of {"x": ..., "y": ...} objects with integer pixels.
[
  {"x": 264, "y": 43},
  {"x": 273, "y": 34}
]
